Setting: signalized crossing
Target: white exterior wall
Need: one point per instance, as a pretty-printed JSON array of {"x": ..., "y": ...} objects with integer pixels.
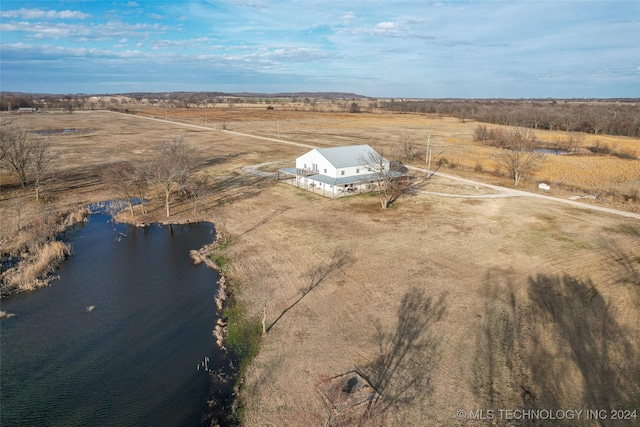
[
  {"x": 313, "y": 157},
  {"x": 352, "y": 171}
]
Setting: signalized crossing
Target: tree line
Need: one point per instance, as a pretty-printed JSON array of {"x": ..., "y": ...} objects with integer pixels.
[{"x": 596, "y": 117}]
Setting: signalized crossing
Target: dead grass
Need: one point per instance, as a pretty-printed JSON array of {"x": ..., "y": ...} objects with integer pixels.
[
  {"x": 607, "y": 175},
  {"x": 34, "y": 271},
  {"x": 491, "y": 263}
]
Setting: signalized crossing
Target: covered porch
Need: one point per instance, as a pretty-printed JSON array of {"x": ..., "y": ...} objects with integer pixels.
[{"x": 327, "y": 186}]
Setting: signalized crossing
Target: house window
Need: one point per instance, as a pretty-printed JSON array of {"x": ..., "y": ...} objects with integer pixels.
[
  {"x": 341, "y": 172},
  {"x": 325, "y": 171},
  {"x": 357, "y": 170}
]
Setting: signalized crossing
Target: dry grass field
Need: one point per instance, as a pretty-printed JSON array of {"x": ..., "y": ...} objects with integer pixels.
[
  {"x": 614, "y": 180},
  {"x": 442, "y": 303}
]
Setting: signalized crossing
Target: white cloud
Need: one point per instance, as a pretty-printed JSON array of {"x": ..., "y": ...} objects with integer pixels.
[
  {"x": 385, "y": 25},
  {"x": 43, "y": 14},
  {"x": 197, "y": 42},
  {"x": 43, "y": 30}
]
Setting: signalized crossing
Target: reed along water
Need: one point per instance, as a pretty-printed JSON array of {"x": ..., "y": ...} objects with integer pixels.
[{"x": 117, "y": 340}]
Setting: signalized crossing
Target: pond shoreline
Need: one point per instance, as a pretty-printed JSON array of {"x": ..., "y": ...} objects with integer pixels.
[
  {"x": 222, "y": 395},
  {"x": 222, "y": 399}
]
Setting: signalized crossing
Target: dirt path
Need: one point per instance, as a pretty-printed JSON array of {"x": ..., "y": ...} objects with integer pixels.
[{"x": 510, "y": 192}]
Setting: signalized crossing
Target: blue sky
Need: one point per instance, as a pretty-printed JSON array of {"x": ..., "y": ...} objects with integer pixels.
[{"x": 383, "y": 48}]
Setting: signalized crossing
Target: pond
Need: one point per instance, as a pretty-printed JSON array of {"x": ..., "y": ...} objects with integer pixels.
[
  {"x": 551, "y": 151},
  {"x": 119, "y": 338}
]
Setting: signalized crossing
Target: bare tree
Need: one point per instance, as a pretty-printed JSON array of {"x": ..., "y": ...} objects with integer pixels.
[
  {"x": 574, "y": 141},
  {"x": 141, "y": 180},
  {"x": 40, "y": 163},
  {"x": 18, "y": 146},
  {"x": 390, "y": 182},
  {"x": 29, "y": 157},
  {"x": 407, "y": 146},
  {"x": 172, "y": 165},
  {"x": 519, "y": 157},
  {"x": 198, "y": 187},
  {"x": 3, "y": 147},
  {"x": 570, "y": 143},
  {"x": 121, "y": 178},
  {"x": 480, "y": 133}
]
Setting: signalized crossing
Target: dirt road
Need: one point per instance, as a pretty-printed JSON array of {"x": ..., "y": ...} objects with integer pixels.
[{"x": 511, "y": 192}]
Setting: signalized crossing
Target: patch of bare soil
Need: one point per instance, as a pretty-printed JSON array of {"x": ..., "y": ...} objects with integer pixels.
[{"x": 441, "y": 304}]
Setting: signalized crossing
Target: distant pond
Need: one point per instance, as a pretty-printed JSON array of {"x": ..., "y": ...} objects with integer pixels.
[
  {"x": 557, "y": 152},
  {"x": 119, "y": 338}
]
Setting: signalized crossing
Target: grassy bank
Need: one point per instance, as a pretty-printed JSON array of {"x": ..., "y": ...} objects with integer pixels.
[{"x": 241, "y": 334}]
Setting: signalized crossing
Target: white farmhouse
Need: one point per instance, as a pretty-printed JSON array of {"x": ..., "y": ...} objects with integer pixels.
[{"x": 333, "y": 172}]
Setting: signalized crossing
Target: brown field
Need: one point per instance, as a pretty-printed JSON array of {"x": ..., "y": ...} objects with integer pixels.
[{"x": 443, "y": 303}]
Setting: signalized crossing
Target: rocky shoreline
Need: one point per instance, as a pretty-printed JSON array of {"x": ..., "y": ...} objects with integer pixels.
[{"x": 222, "y": 399}]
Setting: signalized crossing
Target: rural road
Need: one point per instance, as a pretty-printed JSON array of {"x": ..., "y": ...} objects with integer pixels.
[{"x": 502, "y": 191}]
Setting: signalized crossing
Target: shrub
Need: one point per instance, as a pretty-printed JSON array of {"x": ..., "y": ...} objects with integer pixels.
[
  {"x": 625, "y": 155},
  {"x": 480, "y": 133},
  {"x": 599, "y": 148},
  {"x": 604, "y": 149}
]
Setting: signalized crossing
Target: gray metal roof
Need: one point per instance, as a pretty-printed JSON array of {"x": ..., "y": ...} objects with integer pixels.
[{"x": 343, "y": 157}]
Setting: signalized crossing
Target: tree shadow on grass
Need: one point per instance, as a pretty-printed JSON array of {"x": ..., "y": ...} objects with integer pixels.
[
  {"x": 562, "y": 349},
  {"x": 495, "y": 341},
  {"x": 233, "y": 188},
  {"x": 629, "y": 263},
  {"x": 402, "y": 371},
  {"x": 316, "y": 276},
  {"x": 599, "y": 351}
]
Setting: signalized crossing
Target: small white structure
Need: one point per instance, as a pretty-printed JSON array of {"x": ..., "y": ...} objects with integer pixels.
[
  {"x": 544, "y": 186},
  {"x": 333, "y": 172}
]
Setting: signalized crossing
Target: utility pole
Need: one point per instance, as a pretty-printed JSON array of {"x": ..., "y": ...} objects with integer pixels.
[{"x": 428, "y": 159}]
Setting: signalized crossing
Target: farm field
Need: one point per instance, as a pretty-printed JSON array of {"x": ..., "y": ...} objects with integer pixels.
[
  {"x": 444, "y": 304},
  {"x": 612, "y": 179}
]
